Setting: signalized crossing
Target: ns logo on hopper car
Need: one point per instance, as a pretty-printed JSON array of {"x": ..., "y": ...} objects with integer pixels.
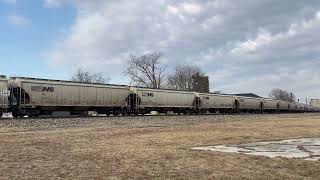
[
  {"x": 48, "y": 89},
  {"x": 42, "y": 89}
]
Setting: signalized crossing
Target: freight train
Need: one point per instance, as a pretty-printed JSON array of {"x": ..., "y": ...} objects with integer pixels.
[{"x": 32, "y": 97}]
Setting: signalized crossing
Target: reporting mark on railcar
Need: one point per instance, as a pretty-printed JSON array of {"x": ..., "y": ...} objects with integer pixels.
[{"x": 42, "y": 89}]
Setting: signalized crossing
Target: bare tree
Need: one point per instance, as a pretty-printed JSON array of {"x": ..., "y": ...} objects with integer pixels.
[
  {"x": 280, "y": 94},
  {"x": 87, "y": 77},
  {"x": 146, "y": 70},
  {"x": 183, "y": 77}
]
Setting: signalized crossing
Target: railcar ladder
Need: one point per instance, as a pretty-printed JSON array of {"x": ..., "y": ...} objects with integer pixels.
[
  {"x": 20, "y": 97},
  {"x": 4, "y": 102}
]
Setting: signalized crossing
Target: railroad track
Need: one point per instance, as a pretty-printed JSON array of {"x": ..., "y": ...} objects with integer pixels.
[
  {"x": 56, "y": 123},
  {"x": 140, "y": 115}
]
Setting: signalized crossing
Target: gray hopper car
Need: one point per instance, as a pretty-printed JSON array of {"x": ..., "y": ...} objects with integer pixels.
[
  {"x": 38, "y": 96},
  {"x": 217, "y": 103},
  {"x": 164, "y": 100},
  {"x": 270, "y": 105},
  {"x": 247, "y": 104},
  {"x": 33, "y": 97}
]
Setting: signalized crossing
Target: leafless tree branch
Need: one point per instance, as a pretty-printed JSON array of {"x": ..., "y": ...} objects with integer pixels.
[
  {"x": 87, "y": 77},
  {"x": 280, "y": 94},
  {"x": 146, "y": 70},
  {"x": 182, "y": 79}
]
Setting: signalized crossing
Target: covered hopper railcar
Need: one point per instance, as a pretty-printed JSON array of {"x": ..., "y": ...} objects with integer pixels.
[
  {"x": 161, "y": 100},
  {"x": 217, "y": 103},
  {"x": 33, "y": 97},
  {"x": 248, "y": 104},
  {"x": 41, "y": 96},
  {"x": 270, "y": 105}
]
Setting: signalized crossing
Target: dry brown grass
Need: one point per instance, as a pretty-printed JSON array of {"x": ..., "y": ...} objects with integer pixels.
[{"x": 161, "y": 152}]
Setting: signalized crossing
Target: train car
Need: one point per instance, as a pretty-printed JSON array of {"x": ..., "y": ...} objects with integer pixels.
[
  {"x": 270, "y": 105},
  {"x": 294, "y": 107},
  {"x": 4, "y": 95},
  {"x": 313, "y": 109},
  {"x": 306, "y": 108},
  {"x": 217, "y": 103},
  {"x": 163, "y": 101},
  {"x": 32, "y": 97},
  {"x": 283, "y": 106},
  {"x": 248, "y": 104},
  {"x": 310, "y": 109},
  {"x": 298, "y": 107}
]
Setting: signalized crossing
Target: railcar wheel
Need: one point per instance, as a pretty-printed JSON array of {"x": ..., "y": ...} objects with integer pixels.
[
  {"x": 116, "y": 113},
  {"x": 15, "y": 114}
]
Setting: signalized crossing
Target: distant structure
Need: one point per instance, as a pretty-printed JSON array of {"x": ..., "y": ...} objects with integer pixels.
[
  {"x": 315, "y": 102},
  {"x": 247, "y": 95},
  {"x": 200, "y": 83}
]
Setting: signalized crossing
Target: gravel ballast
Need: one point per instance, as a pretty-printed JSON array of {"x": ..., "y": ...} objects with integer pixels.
[{"x": 74, "y": 122}]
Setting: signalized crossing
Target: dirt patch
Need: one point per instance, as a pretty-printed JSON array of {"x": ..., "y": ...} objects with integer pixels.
[
  {"x": 305, "y": 148},
  {"x": 152, "y": 148}
]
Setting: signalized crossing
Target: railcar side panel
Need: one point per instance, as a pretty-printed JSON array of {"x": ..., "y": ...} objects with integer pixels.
[
  {"x": 283, "y": 105},
  {"x": 269, "y": 104},
  {"x": 165, "y": 98},
  {"x": 216, "y": 101},
  {"x": 54, "y": 94},
  {"x": 249, "y": 103}
]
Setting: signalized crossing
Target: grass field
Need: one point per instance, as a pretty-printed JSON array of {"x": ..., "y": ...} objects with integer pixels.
[{"x": 155, "y": 151}]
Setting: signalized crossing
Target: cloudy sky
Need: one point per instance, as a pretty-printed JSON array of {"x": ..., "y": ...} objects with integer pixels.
[{"x": 244, "y": 46}]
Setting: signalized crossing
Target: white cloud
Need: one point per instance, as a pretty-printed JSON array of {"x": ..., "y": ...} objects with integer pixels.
[
  {"x": 53, "y": 3},
  {"x": 250, "y": 46},
  {"x": 244, "y": 45},
  {"x": 264, "y": 38},
  {"x": 17, "y": 20},
  {"x": 212, "y": 22},
  {"x": 173, "y": 9},
  {"x": 192, "y": 8}
]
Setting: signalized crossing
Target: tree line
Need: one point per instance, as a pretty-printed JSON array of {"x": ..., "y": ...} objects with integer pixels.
[
  {"x": 148, "y": 71},
  {"x": 284, "y": 95}
]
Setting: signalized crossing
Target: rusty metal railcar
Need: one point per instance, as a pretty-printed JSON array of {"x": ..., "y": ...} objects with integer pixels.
[{"x": 42, "y": 96}]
